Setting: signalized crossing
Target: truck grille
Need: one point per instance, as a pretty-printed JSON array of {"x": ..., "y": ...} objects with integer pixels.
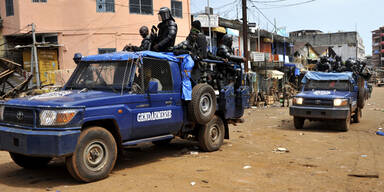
[
  {"x": 318, "y": 102},
  {"x": 18, "y": 116}
]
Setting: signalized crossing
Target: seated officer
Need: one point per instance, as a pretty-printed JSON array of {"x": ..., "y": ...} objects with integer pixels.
[{"x": 148, "y": 77}]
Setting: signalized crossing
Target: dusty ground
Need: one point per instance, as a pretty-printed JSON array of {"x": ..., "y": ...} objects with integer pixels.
[{"x": 319, "y": 159}]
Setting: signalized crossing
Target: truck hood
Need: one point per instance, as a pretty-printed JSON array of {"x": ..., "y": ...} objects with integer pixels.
[
  {"x": 66, "y": 98},
  {"x": 324, "y": 94}
]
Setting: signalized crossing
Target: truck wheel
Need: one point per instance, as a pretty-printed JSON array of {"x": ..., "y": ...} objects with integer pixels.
[
  {"x": 361, "y": 93},
  {"x": 298, "y": 122},
  {"x": 202, "y": 107},
  {"x": 29, "y": 162},
  {"x": 211, "y": 135},
  {"x": 357, "y": 115},
  {"x": 345, "y": 123},
  {"x": 95, "y": 155}
]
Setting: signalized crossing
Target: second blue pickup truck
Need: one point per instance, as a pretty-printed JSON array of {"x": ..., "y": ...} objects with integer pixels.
[{"x": 335, "y": 97}]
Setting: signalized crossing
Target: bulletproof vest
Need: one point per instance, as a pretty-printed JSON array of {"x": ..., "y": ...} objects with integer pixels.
[{"x": 167, "y": 35}]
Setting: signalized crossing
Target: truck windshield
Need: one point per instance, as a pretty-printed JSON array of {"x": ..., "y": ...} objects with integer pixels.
[
  {"x": 111, "y": 75},
  {"x": 327, "y": 85}
]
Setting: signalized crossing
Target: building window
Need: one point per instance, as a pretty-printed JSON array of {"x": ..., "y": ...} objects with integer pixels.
[
  {"x": 9, "y": 7},
  {"x": 106, "y": 50},
  {"x": 105, "y": 5},
  {"x": 141, "y": 7},
  {"x": 177, "y": 8},
  {"x": 39, "y": 1}
]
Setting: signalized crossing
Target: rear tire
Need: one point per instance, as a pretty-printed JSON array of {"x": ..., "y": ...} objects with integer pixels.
[
  {"x": 298, "y": 122},
  {"x": 202, "y": 107},
  {"x": 211, "y": 135},
  {"x": 345, "y": 123},
  {"x": 357, "y": 115},
  {"x": 29, "y": 162},
  {"x": 95, "y": 155}
]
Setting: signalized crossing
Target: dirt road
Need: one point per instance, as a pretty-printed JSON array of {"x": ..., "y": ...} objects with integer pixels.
[{"x": 319, "y": 159}]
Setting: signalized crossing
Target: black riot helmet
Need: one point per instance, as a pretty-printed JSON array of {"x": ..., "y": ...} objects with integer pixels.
[
  {"x": 144, "y": 31},
  {"x": 165, "y": 14},
  {"x": 227, "y": 40}
]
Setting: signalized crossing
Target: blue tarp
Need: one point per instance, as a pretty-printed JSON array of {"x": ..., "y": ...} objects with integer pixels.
[
  {"x": 323, "y": 76},
  {"x": 123, "y": 56},
  {"x": 186, "y": 61}
]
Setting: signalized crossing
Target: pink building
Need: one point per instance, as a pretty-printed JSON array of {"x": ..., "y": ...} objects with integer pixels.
[{"x": 85, "y": 26}]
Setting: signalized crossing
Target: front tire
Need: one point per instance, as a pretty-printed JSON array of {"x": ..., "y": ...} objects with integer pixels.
[
  {"x": 298, "y": 122},
  {"x": 211, "y": 135},
  {"x": 95, "y": 155},
  {"x": 357, "y": 115},
  {"x": 345, "y": 123},
  {"x": 29, "y": 162}
]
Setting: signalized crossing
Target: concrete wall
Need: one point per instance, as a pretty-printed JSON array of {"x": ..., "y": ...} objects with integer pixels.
[
  {"x": 344, "y": 43},
  {"x": 81, "y": 28}
]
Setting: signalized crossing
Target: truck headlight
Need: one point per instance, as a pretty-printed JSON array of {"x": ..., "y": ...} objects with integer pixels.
[
  {"x": 298, "y": 100},
  {"x": 1, "y": 112},
  {"x": 340, "y": 102},
  {"x": 56, "y": 117}
]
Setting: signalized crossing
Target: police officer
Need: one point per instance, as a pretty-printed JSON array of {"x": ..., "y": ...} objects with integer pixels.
[
  {"x": 225, "y": 49},
  {"x": 164, "y": 40},
  {"x": 195, "y": 44},
  {"x": 145, "y": 43}
]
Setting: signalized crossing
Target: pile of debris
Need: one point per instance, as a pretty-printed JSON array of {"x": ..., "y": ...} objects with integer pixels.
[{"x": 13, "y": 79}]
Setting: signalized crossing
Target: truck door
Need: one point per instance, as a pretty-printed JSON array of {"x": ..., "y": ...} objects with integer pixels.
[{"x": 162, "y": 114}]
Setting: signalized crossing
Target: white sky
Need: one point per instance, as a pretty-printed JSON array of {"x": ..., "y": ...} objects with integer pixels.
[{"x": 324, "y": 15}]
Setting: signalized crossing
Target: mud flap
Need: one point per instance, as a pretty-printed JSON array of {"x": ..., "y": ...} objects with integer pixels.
[{"x": 226, "y": 135}]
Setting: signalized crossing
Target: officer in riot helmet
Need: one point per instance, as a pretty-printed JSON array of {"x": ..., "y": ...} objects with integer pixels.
[
  {"x": 165, "y": 38},
  {"x": 225, "y": 50},
  {"x": 145, "y": 43},
  {"x": 195, "y": 44},
  {"x": 324, "y": 64}
]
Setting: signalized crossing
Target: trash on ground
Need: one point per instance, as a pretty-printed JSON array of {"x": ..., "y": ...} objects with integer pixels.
[
  {"x": 281, "y": 150},
  {"x": 194, "y": 153},
  {"x": 193, "y": 183},
  {"x": 247, "y": 167},
  {"x": 363, "y": 175},
  {"x": 380, "y": 133},
  {"x": 204, "y": 181}
]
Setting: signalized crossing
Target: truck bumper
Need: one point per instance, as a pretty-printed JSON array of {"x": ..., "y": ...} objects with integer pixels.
[
  {"x": 38, "y": 143},
  {"x": 319, "y": 113}
]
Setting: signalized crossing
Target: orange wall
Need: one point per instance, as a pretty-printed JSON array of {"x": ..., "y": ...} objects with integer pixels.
[{"x": 81, "y": 28}]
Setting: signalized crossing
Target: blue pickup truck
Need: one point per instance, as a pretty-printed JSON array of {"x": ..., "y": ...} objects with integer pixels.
[
  {"x": 332, "y": 97},
  {"x": 116, "y": 100}
]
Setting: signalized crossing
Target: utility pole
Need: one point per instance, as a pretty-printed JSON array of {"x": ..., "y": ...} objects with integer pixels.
[
  {"x": 35, "y": 61},
  {"x": 208, "y": 11},
  {"x": 258, "y": 32},
  {"x": 245, "y": 34}
]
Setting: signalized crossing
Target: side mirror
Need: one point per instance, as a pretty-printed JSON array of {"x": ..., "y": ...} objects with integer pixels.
[
  {"x": 153, "y": 86},
  {"x": 77, "y": 58}
]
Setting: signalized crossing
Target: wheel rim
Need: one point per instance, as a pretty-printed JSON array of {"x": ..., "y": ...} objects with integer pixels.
[
  {"x": 95, "y": 156},
  {"x": 206, "y": 104},
  {"x": 214, "y": 133}
]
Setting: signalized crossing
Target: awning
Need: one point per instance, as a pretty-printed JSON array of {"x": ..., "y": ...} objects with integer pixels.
[
  {"x": 274, "y": 74},
  {"x": 219, "y": 29}
]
